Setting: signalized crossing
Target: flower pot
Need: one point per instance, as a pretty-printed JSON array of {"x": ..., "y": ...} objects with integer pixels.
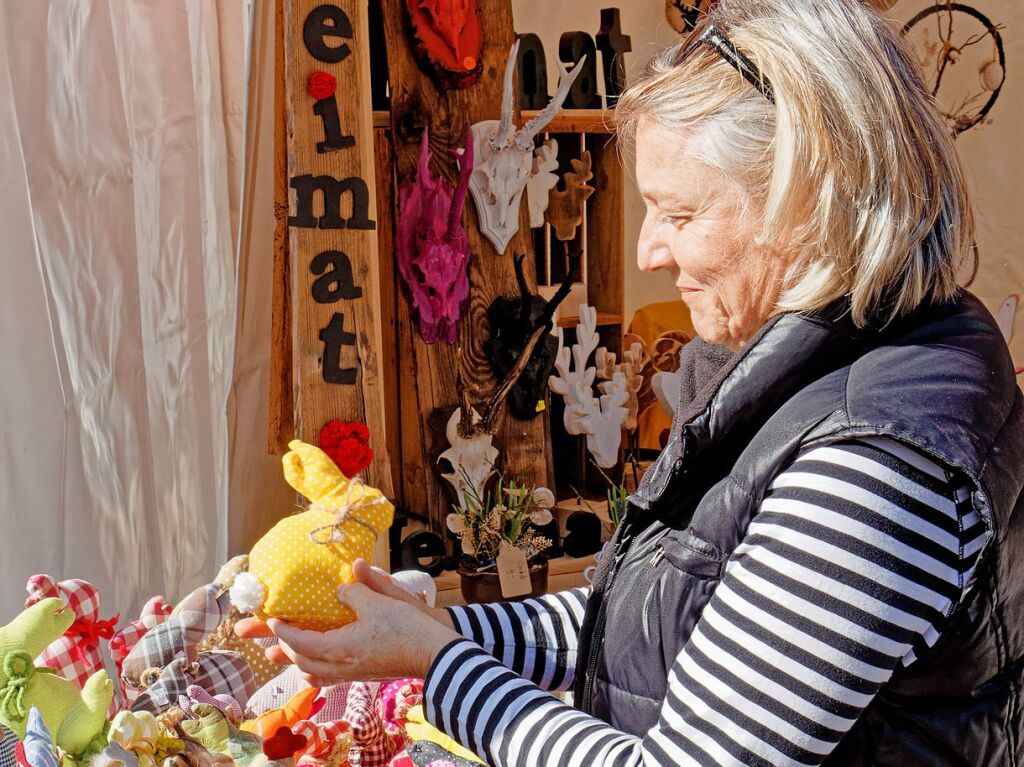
[{"x": 480, "y": 587}]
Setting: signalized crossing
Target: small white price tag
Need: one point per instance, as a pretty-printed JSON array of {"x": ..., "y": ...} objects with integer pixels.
[{"x": 513, "y": 572}]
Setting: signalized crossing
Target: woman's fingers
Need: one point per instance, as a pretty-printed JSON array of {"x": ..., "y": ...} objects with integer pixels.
[
  {"x": 381, "y": 582},
  {"x": 276, "y": 655},
  {"x": 317, "y": 667},
  {"x": 313, "y": 644},
  {"x": 358, "y": 597},
  {"x": 252, "y": 628}
]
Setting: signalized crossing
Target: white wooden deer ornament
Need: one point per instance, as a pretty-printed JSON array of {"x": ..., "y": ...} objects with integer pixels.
[
  {"x": 504, "y": 159},
  {"x": 600, "y": 419},
  {"x": 575, "y": 379},
  {"x": 603, "y": 424},
  {"x": 543, "y": 179}
]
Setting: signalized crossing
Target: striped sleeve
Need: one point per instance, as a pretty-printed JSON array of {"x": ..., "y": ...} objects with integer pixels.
[
  {"x": 536, "y": 638},
  {"x": 859, "y": 553}
]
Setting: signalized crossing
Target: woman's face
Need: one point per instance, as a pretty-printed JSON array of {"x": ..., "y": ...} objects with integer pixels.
[{"x": 696, "y": 230}]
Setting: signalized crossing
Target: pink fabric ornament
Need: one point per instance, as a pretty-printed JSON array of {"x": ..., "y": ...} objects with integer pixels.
[
  {"x": 432, "y": 247},
  {"x": 395, "y": 700},
  {"x": 76, "y": 655},
  {"x": 196, "y": 695},
  {"x": 373, "y": 745}
]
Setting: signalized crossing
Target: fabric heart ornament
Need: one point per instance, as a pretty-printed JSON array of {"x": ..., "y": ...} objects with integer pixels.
[
  {"x": 219, "y": 672},
  {"x": 348, "y": 445},
  {"x": 284, "y": 744},
  {"x": 76, "y": 655},
  {"x": 197, "y": 616}
]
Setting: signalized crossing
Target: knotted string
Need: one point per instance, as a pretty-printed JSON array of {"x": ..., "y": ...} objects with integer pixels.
[
  {"x": 345, "y": 512},
  {"x": 19, "y": 669}
]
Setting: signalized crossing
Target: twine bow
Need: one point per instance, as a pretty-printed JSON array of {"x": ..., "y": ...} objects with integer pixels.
[
  {"x": 89, "y": 633},
  {"x": 344, "y": 513},
  {"x": 19, "y": 668}
]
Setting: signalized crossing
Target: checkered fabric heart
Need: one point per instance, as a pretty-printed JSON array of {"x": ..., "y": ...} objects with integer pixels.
[
  {"x": 76, "y": 655},
  {"x": 321, "y": 741},
  {"x": 372, "y": 746},
  {"x": 218, "y": 672},
  {"x": 195, "y": 618},
  {"x": 196, "y": 695},
  {"x": 282, "y": 688},
  {"x": 154, "y": 612}
]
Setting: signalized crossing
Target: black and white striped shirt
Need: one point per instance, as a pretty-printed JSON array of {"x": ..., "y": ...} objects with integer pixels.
[{"x": 858, "y": 554}]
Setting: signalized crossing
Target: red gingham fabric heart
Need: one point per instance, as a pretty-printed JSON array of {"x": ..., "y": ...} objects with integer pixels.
[{"x": 76, "y": 655}]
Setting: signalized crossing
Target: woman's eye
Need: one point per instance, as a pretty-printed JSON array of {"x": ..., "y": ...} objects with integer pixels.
[{"x": 675, "y": 220}]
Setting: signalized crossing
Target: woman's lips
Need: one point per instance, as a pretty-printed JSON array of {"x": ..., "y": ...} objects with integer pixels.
[{"x": 686, "y": 290}]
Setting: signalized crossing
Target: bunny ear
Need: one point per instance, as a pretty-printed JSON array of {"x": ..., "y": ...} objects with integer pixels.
[
  {"x": 310, "y": 471},
  {"x": 81, "y": 596},
  {"x": 40, "y": 587}
]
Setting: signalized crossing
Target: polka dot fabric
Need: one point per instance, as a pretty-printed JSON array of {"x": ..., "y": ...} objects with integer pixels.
[{"x": 303, "y": 559}]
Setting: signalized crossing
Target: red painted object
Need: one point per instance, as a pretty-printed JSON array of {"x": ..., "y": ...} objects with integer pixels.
[
  {"x": 322, "y": 85},
  {"x": 449, "y": 39}
]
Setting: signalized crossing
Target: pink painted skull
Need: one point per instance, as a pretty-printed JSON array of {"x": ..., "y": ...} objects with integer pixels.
[{"x": 432, "y": 247}]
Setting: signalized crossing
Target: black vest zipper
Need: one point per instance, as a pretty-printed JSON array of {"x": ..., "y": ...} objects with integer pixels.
[{"x": 597, "y": 637}]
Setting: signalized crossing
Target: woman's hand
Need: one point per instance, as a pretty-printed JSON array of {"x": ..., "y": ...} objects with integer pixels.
[{"x": 395, "y": 635}]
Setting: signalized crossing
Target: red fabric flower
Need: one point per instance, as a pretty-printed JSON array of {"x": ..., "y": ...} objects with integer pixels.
[
  {"x": 348, "y": 445},
  {"x": 322, "y": 85}
]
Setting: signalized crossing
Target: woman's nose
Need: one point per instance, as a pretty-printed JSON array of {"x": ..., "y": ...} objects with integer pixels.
[{"x": 652, "y": 252}]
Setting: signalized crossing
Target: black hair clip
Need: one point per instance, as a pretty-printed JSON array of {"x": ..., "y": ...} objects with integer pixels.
[{"x": 715, "y": 38}]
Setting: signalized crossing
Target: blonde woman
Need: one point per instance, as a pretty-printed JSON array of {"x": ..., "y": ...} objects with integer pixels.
[{"x": 824, "y": 565}]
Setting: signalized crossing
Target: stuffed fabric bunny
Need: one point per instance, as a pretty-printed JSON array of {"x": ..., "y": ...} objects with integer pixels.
[
  {"x": 75, "y": 655},
  {"x": 296, "y": 568},
  {"x": 75, "y": 717}
]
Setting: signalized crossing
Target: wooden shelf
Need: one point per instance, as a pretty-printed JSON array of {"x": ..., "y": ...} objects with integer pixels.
[
  {"x": 566, "y": 121},
  {"x": 603, "y": 319},
  {"x": 561, "y": 566}
]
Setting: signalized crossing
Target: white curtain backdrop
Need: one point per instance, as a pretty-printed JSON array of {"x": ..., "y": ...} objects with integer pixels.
[{"x": 121, "y": 144}]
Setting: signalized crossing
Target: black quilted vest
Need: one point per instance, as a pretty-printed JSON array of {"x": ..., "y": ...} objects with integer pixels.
[{"x": 940, "y": 380}]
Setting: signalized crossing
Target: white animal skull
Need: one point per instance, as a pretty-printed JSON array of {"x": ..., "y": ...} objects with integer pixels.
[
  {"x": 472, "y": 460},
  {"x": 504, "y": 159}
]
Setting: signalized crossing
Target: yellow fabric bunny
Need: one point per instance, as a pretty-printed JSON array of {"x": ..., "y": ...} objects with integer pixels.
[{"x": 296, "y": 568}]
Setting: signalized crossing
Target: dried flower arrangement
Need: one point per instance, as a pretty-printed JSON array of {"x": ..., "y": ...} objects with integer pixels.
[{"x": 503, "y": 516}]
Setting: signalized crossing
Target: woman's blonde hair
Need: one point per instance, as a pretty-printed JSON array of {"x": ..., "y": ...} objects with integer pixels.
[{"x": 853, "y": 164}]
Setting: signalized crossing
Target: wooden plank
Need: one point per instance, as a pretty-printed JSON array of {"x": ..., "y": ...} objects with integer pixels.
[
  {"x": 281, "y": 413},
  {"x": 416, "y": 102},
  {"x": 338, "y": 310},
  {"x": 566, "y": 121},
  {"x": 606, "y": 225},
  {"x": 556, "y": 567},
  {"x": 603, "y": 319},
  {"x": 388, "y": 299}
]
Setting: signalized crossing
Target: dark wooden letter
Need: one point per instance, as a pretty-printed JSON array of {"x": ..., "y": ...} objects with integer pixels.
[
  {"x": 331, "y": 190},
  {"x": 327, "y": 21}
]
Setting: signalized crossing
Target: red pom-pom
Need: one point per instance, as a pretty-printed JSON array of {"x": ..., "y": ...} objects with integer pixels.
[
  {"x": 348, "y": 445},
  {"x": 283, "y": 744},
  {"x": 322, "y": 85}
]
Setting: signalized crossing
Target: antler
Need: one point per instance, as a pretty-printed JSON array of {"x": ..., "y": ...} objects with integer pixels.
[
  {"x": 560, "y": 295},
  {"x": 525, "y": 135},
  {"x": 488, "y": 422},
  {"x": 466, "y": 160},
  {"x": 504, "y": 135}
]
